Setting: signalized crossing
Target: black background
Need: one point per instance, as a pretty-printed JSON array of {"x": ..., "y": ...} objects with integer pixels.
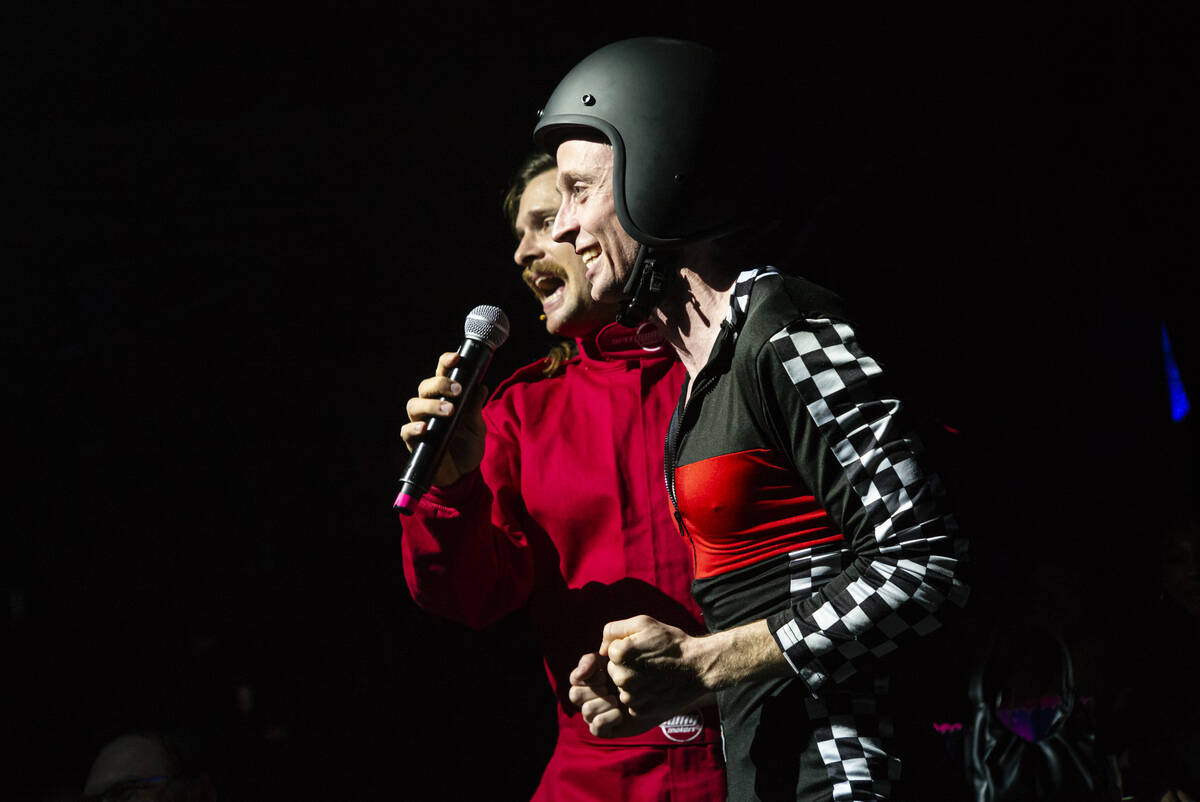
[{"x": 235, "y": 238}]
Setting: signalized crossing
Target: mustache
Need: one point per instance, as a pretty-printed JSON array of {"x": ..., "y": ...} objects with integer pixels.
[{"x": 543, "y": 267}]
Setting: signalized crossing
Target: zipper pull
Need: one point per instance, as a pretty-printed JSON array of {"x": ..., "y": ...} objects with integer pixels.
[{"x": 683, "y": 532}]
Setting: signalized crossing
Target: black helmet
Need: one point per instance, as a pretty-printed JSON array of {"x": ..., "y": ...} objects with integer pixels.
[{"x": 666, "y": 107}]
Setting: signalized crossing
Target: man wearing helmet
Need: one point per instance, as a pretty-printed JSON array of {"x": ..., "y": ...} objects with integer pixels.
[
  {"x": 548, "y": 501},
  {"x": 820, "y": 538}
]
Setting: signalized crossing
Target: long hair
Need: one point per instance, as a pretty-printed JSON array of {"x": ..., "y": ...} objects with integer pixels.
[{"x": 533, "y": 166}]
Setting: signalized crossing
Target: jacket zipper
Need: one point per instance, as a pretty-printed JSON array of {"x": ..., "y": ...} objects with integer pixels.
[{"x": 704, "y": 384}]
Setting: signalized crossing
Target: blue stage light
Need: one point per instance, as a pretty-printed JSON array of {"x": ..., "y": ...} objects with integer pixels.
[{"x": 1179, "y": 400}]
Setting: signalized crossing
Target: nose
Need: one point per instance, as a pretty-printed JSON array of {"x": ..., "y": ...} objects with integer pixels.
[
  {"x": 566, "y": 225},
  {"x": 529, "y": 250}
]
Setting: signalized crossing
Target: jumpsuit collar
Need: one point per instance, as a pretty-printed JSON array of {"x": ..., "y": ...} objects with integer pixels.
[
  {"x": 617, "y": 343},
  {"x": 739, "y": 301}
]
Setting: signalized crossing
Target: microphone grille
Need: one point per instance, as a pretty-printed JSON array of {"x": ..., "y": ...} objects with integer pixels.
[{"x": 488, "y": 325}]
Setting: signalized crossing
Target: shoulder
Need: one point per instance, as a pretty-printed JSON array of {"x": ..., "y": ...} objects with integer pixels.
[
  {"x": 781, "y": 303},
  {"x": 532, "y": 377},
  {"x": 781, "y": 299}
]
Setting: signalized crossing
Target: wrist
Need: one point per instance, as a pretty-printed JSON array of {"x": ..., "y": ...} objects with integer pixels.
[
  {"x": 737, "y": 655},
  {"x": 457, "y": 492},
  {"x": 709, "y": 656}
]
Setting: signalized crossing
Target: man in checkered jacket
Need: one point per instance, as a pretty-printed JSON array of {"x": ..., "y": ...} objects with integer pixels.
[{"x": 820, "y": 536}]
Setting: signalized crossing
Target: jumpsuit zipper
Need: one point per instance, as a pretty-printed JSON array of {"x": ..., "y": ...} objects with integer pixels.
[{"x": 704, "y": 383}]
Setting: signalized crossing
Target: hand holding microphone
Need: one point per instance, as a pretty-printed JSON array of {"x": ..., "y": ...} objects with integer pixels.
[{"x": 445, "y": 432}]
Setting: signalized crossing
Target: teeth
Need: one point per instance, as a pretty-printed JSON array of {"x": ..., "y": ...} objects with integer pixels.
[{"x": 590, "y": 255}]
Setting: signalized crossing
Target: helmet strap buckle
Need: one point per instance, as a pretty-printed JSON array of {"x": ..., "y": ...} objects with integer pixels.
[{"x": 644, "y": 288}]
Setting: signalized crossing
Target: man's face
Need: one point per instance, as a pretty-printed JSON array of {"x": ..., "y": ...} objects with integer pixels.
[
  {"x": 587, "y": 217},
  {"x": 552, "y": 270}
]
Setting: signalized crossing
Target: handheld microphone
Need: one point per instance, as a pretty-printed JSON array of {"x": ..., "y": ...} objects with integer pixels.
[{"x": 486, "y": 329}]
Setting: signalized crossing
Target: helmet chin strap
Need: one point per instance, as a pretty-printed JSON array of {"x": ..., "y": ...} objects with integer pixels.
[{"x": 645, "y": 288}]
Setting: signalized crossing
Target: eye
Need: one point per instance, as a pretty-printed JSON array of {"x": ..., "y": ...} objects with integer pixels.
[{"x": 548, "y": 223}]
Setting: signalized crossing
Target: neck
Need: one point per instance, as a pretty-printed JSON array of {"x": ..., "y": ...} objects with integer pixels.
[{"x": 692, "y": 319}]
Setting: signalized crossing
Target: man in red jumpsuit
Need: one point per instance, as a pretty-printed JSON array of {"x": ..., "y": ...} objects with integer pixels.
[{"x": 551, "y": 497}]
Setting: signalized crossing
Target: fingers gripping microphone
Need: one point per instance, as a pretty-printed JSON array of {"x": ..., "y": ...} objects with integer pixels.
[{"x": 486, "y": 330}]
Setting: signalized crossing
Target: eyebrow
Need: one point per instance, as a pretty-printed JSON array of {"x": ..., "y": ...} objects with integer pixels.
[
  {"x": 533, "y": 213},
  {"x": 565, "y": 176},
  {"x": 541, "y": 210}
]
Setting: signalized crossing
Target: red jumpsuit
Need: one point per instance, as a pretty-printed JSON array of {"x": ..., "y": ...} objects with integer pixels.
[{"x": 569, "y": 515}]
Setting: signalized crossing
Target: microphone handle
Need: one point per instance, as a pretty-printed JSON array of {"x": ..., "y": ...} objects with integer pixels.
[{"x": 427, "y": 455}]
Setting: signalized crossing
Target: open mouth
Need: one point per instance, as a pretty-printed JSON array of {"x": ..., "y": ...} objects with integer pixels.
[{"x": 547, "y": 286}]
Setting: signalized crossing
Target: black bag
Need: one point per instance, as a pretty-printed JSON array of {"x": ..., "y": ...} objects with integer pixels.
[{"x": 1066, "y": 764}]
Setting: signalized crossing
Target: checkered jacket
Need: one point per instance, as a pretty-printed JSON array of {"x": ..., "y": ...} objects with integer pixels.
[{"x": 791, "y": 459}]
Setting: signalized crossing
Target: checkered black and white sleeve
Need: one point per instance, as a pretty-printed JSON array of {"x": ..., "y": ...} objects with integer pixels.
[{"x": 870, "y": 474}]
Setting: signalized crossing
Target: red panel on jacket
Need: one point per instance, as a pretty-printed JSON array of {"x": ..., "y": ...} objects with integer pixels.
[{"x": 742, "y": 508}]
